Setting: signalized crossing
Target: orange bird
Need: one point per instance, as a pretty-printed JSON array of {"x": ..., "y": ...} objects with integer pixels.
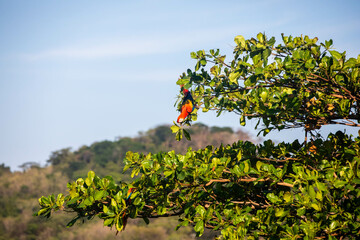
[
  {"x": 128, "y": 201},
  {"x": 187, "y": 106},
  {"x": 129, "y": 193}
]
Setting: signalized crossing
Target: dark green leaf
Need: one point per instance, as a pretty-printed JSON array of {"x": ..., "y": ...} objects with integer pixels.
[
  {"x": 146, "y": 220},
  {"x": 72, "y": 222},
  {"x": 187, "y": 135},
  {"x": 181, "y": 175}
]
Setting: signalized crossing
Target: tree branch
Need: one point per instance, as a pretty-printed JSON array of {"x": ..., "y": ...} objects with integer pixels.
[{"x": 249, "y": 180}]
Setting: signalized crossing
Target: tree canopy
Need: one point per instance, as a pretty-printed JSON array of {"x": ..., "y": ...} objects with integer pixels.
[{"x": 288, "y": 190}]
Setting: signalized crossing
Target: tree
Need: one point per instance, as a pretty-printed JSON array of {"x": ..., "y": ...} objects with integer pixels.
[
  {"x": 28, "y": 165},
  {"x": 62, "y": 156},
  {"x": 274, "y": 191}
]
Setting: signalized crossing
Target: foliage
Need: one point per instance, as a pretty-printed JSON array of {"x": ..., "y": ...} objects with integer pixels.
[
  {"x": 297, "y": 83},
  {"x": 246, "y": 191},
  {"x": 19, "y": 191},
  {"x": 8, "y": 207},
  {"x": 239, "y": 189},
  {"x": 4, "y": 169}
]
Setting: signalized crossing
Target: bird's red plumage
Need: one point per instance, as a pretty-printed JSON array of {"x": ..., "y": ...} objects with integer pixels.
[{"x": 186, "y": 109}]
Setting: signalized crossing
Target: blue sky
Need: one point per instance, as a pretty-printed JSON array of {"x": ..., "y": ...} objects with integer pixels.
[{"x": 76, "y": 72}]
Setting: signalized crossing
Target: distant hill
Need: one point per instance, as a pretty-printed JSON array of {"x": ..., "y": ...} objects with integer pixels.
[{"x": 105, "y": 158}]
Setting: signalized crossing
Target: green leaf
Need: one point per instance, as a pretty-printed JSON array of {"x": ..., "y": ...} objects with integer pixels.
[
  {"x": 339, "y": 183},
  {"x": 44, "y": 201},
  {"x": 161, "y": 210},
  {"x": 43, "y": 212},
  {"x": 72, "y": 222},
  {"x": 113, "y": 203},
  {"x": 88, "y": 182},
  {"x": 215, "y": 70},
  {"x": 91, "y": 176},
  {"x": 328, "y": 43},
  {"x": 258, "y": 165},
  {"x": 312, "y": 193},
  {"x": 310, "y": 63},
  {"x": 88, "y": 202},
  {"x": 351, "y": 62},
  {"x": 271, "y": 41},
  {"x": 199, "y": 227},
  {"x": 200, "y": 210},
  {"x": 319, "y": 195},
  {"x": 264, "y": 96},
  {"x": 181, "y": 175},
  {"x": 266, "y": 53},
  {"x": 183, "y": 223},
  {"x": 105, "y": 209},
  {"x": 321, "y": 186},
  {"x": 240, "y": 41},
  {"x": 174, "y": 128},
  {"x": 146, "y": 220},
  {"x": 168, "y": 173},
  {"x": 333, "y": 225},
  {"x": 99, "y": 195},
  {"x": 301, "y": 211},
  {"x": 203, "y": 62},
  {"x": 316, "y": 206},
  {"x": 256, "y": 58},
  {"x": 193, "y": 55},
  {"x": 179, "y": 135},
  {"x": 336, "y": 54},
  {"x": 260, "y": 37},
  {"x": 242, "y": 120},
  {"x": 109, "y": 221},
  {"x": 287, "y": 197},
  {"x": 197, "y": 66},
  {"x": 273, "y": 198},
  {"x": 280, "y": 212},
  {"x": 183, "y": 81},
  {"x": 137, "y": 201},
  {"x": 237, "y": 171},
  {"x": 246, "y": 167},
  {"x": 234, "y": 76},
  {"x": 80, "y": 181},
  {"x": 239, "y": 155},
  {"x": 250, "y": 82},
  {"x": 105, "y": 182},
  {"x": 119, "y": 224},
  {"x": 187, "y": 135}
]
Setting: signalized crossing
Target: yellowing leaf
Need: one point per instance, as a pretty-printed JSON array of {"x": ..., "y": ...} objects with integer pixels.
[
  {"x": 287, "y": 197},
  {"x": 316, "y": 206},
  {"x": 239, "y": 155},
  {"x": 174, "y": 128},
  {"x": 233, "y": 77},
  {"x": 240, "y": 41},
  {"x": 247, "y": 167},
  {"x": 260, "y": 37}
]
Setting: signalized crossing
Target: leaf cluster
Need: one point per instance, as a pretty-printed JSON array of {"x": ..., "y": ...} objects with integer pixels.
[
  {"x": 297, "y": 83},
  {"x": 242, "y": 190}
]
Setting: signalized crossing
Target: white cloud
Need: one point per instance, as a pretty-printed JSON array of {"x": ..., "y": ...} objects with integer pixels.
[
  {"x": 132, "y": 46},
  {"x": 139, "y": 45},
  {"x": 121, "y": 48}
]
